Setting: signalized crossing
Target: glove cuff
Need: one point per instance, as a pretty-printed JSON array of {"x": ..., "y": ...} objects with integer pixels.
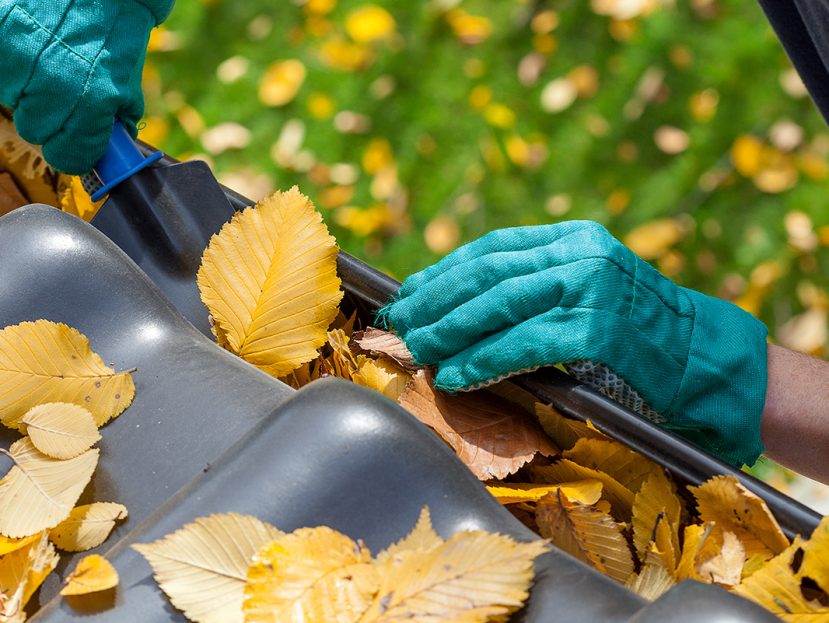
[
  {"x": 719, "y": 404},
  {"x": 159, "y": 8}
]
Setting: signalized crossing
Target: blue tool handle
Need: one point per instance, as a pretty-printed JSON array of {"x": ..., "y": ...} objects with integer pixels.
[{"x": 121, "y": 160}]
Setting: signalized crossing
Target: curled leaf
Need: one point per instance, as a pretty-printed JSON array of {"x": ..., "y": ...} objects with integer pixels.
[
  {"x": 490, "y": 436},
  {"x": 584, "y": 491},
  {"x": 22, "y": 572},
  {"x": 386, "y": 343},
  {"x": 727, "y": 503},
  {"x": 583, "y": 531},
  {"x": 382, "y": 376}
]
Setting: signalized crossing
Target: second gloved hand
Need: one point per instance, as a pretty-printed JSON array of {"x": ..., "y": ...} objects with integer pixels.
[
  {"x": 521, "y": 298},
  {"x": 68, "y": 68}
]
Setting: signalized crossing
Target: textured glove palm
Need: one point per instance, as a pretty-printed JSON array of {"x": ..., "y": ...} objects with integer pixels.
[
  {"x": 70, "y": 67},
  {"x": 520, "y": 298}
]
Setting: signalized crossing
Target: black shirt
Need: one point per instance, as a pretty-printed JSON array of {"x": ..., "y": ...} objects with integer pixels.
[{"x": 803, "y": 27}]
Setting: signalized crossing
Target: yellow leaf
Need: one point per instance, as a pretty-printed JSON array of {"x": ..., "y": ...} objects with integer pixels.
[
  {"x": 629, "y": 468},
  {"x": 22, "y": 572},
  {"x": 93, "y": 574},
  {"x": 564, "y": 470},
  {"x": 489, "y": 436},
  {"x": 377, "y": 156},
  {"x": 656, "y": 496},
  {"x": 563, "y": 430},
  {"x": 584, "y": 491},
  {"x": 727, "y": 503},
  {"x": 202, "y": 566},
  {"x": 816, "y": 555},
  {"x": 777, "y": 588},
  {"x": 74, "y": 199},
  {"x": 700, "y": 543},
  {"x": 311, "y": 575},
  {"x": 472, "y": 577},
  {"x": 369, "y": 23},
  {"x": 653, "y": 580},
  {"x": 747, "y": 155},
  {"x": 344, "y": 363},
  {"x": 383, "y": 376},
  {"x": 469, "y": 29},
  {"x": 727, "y": 566},
  {"x": 26, "y": 164},
  {"x": 43, "y": 361},
  {"x": 422, "y": 539},
  {"x": 586, "y": 533},
  {"x": 87, "y": 526},
  {"x": 281, "y": 81},
  {"x": 344, "y": 55},
  {"x": 61, "y": 430},
  {"x": 652, "y": 240},
  {"x": 269, "y": 279},
  {"x": 8, "y": 545},
  {"x": 39, "y": 492}
]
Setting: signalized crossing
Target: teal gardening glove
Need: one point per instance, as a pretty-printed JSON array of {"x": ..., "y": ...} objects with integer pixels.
[
  {"x": 521, "y": 298},
  {"x": 68, "y": 68}
]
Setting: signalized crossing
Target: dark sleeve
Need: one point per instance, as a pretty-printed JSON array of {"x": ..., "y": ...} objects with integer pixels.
[{"x": 803, "y": 27}]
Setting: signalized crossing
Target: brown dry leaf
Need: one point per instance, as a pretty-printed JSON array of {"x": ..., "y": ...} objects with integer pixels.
[
  {"x": 563, "y": 430},
  {"x": 61, "y": 430},
  {"x": 382, "y": 375},
  {"x": 269, "y": 279},
  {"x": 202, "y": 567},
  {"x": 311, "y": 575},
  {"x": 629, "y": 468},
  {"x": 44, "y": 361},
  {"x": 93, "y": 574},
  {"x": 489, "y": 435},
  {"x": 473, "y": 577},
  {"x": 422, "y": 539},
  {"x": 386, "y": 343},
  {"x": 657, "y": 496},
  {"x": 39, "y": 492},
  {"x": 87, "y": 526},
  {"x": 654, "y": 579},
  {"x": 564, "y": 470},
  {"x": 732, "y": 507},
  {"x": 584, "y": 491},
  {"x": 11, "y": 195},
  {"x": 583, "y": 531},
  {"x": 727, "y": 566}
]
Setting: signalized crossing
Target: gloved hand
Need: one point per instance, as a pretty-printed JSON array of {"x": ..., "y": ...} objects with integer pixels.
[
  {"x": 68, "y": 68},
  {"x": 521, "y": 298}
]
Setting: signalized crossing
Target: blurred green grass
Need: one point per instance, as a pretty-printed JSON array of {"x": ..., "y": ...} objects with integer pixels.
[{"x": 711, "y": 71}]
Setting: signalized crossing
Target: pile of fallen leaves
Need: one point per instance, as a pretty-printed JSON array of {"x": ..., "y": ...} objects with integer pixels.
[
  {"x": 231, "y": 568},
  {"x": 269, "y": 280},
  {"x": 57, "y": 392}
]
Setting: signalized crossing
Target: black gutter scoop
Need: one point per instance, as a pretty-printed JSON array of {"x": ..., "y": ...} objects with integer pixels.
[{"x": 162, "y": 216}]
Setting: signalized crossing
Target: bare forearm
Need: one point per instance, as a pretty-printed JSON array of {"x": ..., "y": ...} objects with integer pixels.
[{"x": 795, "y": 426}]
